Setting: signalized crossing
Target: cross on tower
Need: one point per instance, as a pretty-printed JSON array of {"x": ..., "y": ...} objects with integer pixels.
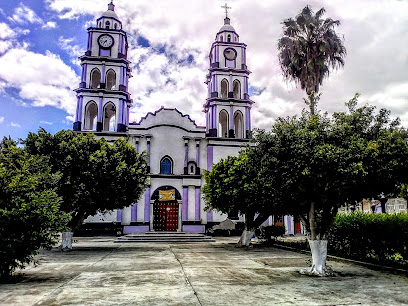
[{"x": 226, "y": 7}]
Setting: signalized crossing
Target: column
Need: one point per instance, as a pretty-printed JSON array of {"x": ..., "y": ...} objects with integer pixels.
[
  {"x": 137, "y": 145},
  {"x": 185, "y": 204},
  {"x": 210, "y": 152},
  {"x": 133, "y": 213},
  {"x": 103, "y": 76},
  {"x": 148, "y": 154},
  {"x": 119, "y": 216},
  {"x": 231, "y": 117},
  {"x": 147, "y": 206},
  {"x": 197, "y": 203},
  {"x": 198, "y": 153},
  {"x": 185, "y": 153}
]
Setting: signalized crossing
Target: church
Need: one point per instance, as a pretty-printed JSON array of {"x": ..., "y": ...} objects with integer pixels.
[{"x": 178, "y": 149}]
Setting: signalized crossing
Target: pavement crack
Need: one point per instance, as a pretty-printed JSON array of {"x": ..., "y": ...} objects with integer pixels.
[
  {"x": 186, "y": 279},
  {"x": 39, "y": 302}
]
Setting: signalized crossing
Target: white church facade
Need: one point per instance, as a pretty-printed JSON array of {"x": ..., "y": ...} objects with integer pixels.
[{"x": 178, "y": 149}]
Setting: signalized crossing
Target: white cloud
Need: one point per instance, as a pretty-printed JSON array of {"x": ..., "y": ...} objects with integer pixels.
[
  {"x": 23, "y": 14},
  {"x": 1, "y": 120},
  {"x": 49, "y": 25},
  {"x": 41, "y": 79},
  {"x": 46, "y": 122},
  {"x": 73, "y": 50},
  {"x": 376, "y": 63},
  {"x": 16, "y": 125},
  {"x": 6, "y": 32}
]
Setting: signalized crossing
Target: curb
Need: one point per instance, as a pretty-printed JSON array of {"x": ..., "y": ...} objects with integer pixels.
[{"x": 346, "y": 260}]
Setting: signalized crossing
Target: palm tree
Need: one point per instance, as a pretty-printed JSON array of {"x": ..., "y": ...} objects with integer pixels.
[{"x": 308, "y": 48}]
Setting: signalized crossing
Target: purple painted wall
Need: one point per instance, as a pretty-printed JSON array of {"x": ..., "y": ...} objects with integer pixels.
[
  {"x": 184, "y": 210},
  {"x": 197, "y": 204},
  {"x": 147, "y": 205},
  {"x": 231, "y": 116},
  {"x": 119, "y": 215},
  {"x": 135, "y": 229},
  {"x": 210, "y": 157},
  {"x": 100, "y": 109},
  {"x": 193, "y": 228}
]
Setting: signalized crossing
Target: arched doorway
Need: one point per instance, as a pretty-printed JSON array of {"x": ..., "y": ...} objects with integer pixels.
[{"x": 166, "y": 209}]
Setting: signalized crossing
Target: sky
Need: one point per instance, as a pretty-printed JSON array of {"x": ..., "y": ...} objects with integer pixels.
[{"x": 41, "y": 40}]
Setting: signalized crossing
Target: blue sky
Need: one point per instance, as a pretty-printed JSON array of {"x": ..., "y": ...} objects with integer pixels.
[{"x": 40, "y": 41}]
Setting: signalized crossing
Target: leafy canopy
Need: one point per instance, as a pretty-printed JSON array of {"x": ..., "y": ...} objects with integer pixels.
[
  {"x": 96, "y": 176},
  {"x": 309, "y": 47},
  {"x": 30, "y": 215}
]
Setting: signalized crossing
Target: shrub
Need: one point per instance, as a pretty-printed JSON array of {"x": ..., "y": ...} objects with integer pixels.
[
  {"x": 379, "y": 238},
  {"x": 29, "y": 208},
  {"x": 271, "y": 232}
]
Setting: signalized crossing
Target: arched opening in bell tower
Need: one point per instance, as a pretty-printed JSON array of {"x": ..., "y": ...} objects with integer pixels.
[
  {"x": 109, "y": 117},
  {"x": 110, "y": 80},
  {"x": 223, "y": 123},
  {"x": 91, "y": 112},
  {"x": 237, "y": 89},
  {"x": 95, "y": 78},
  {"x": 238, "y": 125},
  {"x": 224, "y": 89}
]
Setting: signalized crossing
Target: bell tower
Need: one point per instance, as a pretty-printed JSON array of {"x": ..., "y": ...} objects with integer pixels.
[
  {"x": 228, "y": 107},
  {"x": 103, "y": 100}
]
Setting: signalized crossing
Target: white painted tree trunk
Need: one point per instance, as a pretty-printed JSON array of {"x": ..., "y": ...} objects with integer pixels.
[
  {"x": 246, "y": 237},
  {"x": 319, "y": 257},
  {"x": 66, "y": 244}
]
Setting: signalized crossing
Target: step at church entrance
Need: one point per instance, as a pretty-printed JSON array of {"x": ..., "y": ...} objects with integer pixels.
[{"x": 166, "y": 212}]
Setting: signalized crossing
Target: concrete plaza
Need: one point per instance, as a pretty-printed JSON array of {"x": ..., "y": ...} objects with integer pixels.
[{"x": 100, "y": 272}]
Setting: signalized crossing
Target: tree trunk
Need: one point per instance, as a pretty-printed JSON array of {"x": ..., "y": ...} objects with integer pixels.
[
  {"x": 66, "y": 244},
  {"x": 319, "y": 257},
  {"x": 245, "y": 240}
]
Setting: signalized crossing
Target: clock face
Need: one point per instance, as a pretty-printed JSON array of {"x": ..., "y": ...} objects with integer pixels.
[
  {"x": 105, "y": 41},
  {"x": 230, "y": 54}
]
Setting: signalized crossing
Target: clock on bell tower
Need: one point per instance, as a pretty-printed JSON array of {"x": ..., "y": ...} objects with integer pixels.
[
  {"x": 228, "y": 106},
  {"x": 103, "y": 100}
]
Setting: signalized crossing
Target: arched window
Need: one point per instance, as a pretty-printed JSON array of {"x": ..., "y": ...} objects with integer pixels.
[
  {"x": 107, "y": 24},
  {"x": 238, "y": 125},
  {"x": 223, "y": 123},
  {"x": 100, "y": 24},
  {"x": 91, "y": 112},
  {"x": 116, "y": 25},
  {"x": 109, "y": 117},
  {"x": 229, "y": 38},
  {"x": 224, "y": 89},
  {"x": 110, "y": 80},
  {"x": 166, "y": 165},
  {"x": 95, "y": 78},
  {"x": 221, "y": 38},
  {"x": 237, "y": 89}
]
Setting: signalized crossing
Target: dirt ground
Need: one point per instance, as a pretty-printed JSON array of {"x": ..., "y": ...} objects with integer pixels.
[{"x": 100, "y": 272}]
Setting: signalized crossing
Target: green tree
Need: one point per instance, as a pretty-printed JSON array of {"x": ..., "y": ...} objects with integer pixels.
[
  {"x": 308, "y": 48},
  {"x": 325, "y": 162},
  {"x": 30, "y": 215},
  {"x": 235, "y": 184},
  {"x": 96, "y": 176}
]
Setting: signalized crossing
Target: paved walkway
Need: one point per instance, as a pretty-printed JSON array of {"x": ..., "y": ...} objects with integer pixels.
[{"x": 99, "y": 272}]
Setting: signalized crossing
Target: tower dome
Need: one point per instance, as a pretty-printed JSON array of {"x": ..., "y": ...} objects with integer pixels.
[
  {"x": 227, "y": 26},
  {"x": 109, "y": 19}
]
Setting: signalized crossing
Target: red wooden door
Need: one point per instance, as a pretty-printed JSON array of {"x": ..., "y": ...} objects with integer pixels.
[
  {"x": 298, "y": 229},
  {"x": 165, "y": 216}
]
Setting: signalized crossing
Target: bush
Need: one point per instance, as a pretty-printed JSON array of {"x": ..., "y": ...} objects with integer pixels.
[
  {"x": 381, "y": 238},
  {"x": 29, "y": 208},
  {"x": 271, "y": 232}
]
